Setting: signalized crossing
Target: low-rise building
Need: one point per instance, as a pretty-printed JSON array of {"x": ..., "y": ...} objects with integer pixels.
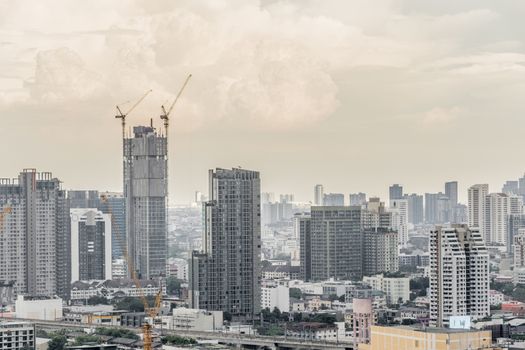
[
  {"x": 83, "y": 290},
  {"x": 496, "y": 297},
  {"x": 316, "y": 331},
  {"x": 17, "y": 335},
  {"x": 38, "y": 308},
  {"x": 396, "y": 289},
  {"x": 407, "y": 338},
  {"x": 185, "y": 319},
  {"x": 101, "y": 315},
  {"x": 274, "y": 295},
  {"x": 281, "y": 272}
]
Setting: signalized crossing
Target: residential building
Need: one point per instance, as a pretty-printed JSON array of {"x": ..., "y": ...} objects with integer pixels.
[
  {"x": 83, "y": 199},
  {"x": 184, "y": 319},
  {"x": 399, "y": 209},
  {"x": 510, "y": 187},
  {"x": 395, "y": 192},
  {"x": 90, "y": 245},
  {"x": 334, "y": 199},
  {"x": 396, "y": 289},
  {"x": 498, "y": 207},
  {"x": 145, "y": 192},
  {"x": 35, "y": 244},
  {"x": 477, "y": 195},
  {"x": 303, "y": 232},
  {"x": 335, "y": 243},
  {"x": 459, "y": 274},
  {"x": 17, "y": 335},
  {"x": 83, "y": 290},
  {"x": 516, "y": 226},
  {"x": 316, "y": 331},
  {"x": 318, "y": 195},
  {"x": 380, "y": 251},
  {"x": 275, "y": 295},
  {"x": 437, "y": 208},
  {"x": 114, "y": 204},
  {"x": 225, "y": 275},
  {"x": 406, "y": 338}
]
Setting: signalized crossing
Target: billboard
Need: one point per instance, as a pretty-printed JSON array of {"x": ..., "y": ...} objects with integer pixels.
[{"x": 459, "y": 322}]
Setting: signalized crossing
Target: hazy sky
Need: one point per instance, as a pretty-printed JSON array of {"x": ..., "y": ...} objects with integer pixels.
[{"x": 353, "y": 94}]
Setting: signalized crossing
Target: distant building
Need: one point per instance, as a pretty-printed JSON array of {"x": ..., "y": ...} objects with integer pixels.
[
  {"x": 395, "y": 192},
  {"x": 35, "y": 235},
  {"x": 114, "y": 204},
  {"x": 316, "y": 331},
  {"x": 498, "y": 207},
  {"x": 90, "y": 245},
  {"x": 416, "y": 211},
  {"x": 17, "y": 335},
  {"x": 451, "y": 191},
  {"x": 303, "y": 229},
  {"x": 516, "y": 226},
  {"x": 357, "y": 198},
  {"x": 399, "y": 209},
  {"x": 83, "y": 290},
  {"x": 459, "y": 274},
  {"x": 511, "y": 187},
  {"x": 318, "y": 195},
  {"x": 225, "y": 275},
  {"x": 334, "y": 199},
  {"x": 437, "y": 208},
  {"x": 184, "y": 319},
  {"x": 476, "y": 208}
]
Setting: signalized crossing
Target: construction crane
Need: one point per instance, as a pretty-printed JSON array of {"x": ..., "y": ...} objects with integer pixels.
[
  {"x": 3, "y": 213},
  {"x": 123, "y": 116},
  {"x": 151, "y": 311},
  {"x": 166, "y": 114}
]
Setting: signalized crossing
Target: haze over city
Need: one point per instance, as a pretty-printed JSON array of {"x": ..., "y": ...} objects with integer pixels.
[{"x": 352, "y": 94}]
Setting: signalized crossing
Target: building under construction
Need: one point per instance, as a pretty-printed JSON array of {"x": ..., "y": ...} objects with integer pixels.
[{"x": 146, "y": 190}]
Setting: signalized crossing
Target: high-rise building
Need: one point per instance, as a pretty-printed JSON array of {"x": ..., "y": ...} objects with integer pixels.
[
  {"x": 145, "y": 190},
  {"x": 380, "y": 251},
  {"x": 334, "y": 199},
  {"x": 415, "y": 208},
  {"x": 114, "y": 204},
  {"x": 286, "y": 198},
  {"x": 459, "y": 274},
  {"x": 17, "y": 335},
  {"x": 35, "y": 235},
  {"x": 516, "y": 225},
  {"x": 226, "y": 275},
  {"x": 399, "y": 209},
  {"x": 90, "y": 245},
  {"x": 451, "y": 191},
  {"x": 476, "y": 208},
  {"x": 303, "y": 232},
  {"x": 267, "y": 197},
  {"x": 318, "y": 195},
  {"x": 395, "y": 192},
  {"x": 511, "y": 187},
  {"x": 519, "y": 250},
  {"x": 357, "y": 198},
  {"x": 336, "y": 237},
  {"x": 437, "y": 208},
  {"x": 83, "y": 199},
  {"x": 521, "y": 186},
  {"x": 498, "y": 207}
]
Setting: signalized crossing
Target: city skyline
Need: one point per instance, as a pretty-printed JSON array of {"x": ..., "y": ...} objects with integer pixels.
[{"x": 391, "y": 76}]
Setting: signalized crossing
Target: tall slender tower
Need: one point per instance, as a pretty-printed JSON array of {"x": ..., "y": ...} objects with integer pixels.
[
  {"x": 146, "y": 190},
  {"x": 476, "y": 208},
  {"x": 226, "y": 275}
]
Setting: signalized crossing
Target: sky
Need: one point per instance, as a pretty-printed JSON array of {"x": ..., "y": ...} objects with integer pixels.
[{"x": 355, "y": 95}]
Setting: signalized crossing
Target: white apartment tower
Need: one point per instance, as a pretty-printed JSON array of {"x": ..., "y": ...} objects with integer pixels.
[
  {"x": 476, "y": 208},
  {"x": 498, "y": 207},
  {"x": 399, "y": 209},
  {"x": 318, "y": 195},
  {"x": 459, "y": 274}
]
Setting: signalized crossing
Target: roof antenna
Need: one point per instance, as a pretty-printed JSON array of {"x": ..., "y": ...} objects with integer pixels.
[{"x": 151, "y": 122}]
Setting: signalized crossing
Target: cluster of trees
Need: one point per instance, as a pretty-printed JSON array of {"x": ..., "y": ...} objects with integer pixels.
[
  {"x": 173, "y": 286},
  {"x": 59, "y": 339},
  {"x": 517, "y": 292},
  {"x": 177, "y": 340},
  {"x": 418, "y": 287}
]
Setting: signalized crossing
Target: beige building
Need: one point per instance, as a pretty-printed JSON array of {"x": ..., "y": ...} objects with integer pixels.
[{"x": 406, "y": 338}]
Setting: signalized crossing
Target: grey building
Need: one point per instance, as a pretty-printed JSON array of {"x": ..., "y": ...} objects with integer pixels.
[
  {"x": 114, "y": 203},
  {"x": 336, "y": 237},
  {"x": 83, "y": 199},
  {"x": 34, "y": 249},
  {"x": 334, "y": 199},
  {"x": 318, "y": 194},
  {"x": 451, "y": 191},
  {"x": 395, "y": 192},
  {"x": 415, "y": 208},
  {"x": 357, "y": 198},
  {"x": 380, "y": 251},
  {"x": 303, "y": 231},
  {"x": 225, "y": 275},
  {"x": 90, "y": 245},
  {"x": 145, "y": 192},
  {"x": 510, "y": 187},
  {"x": 516, "y": 222},
  {"x": 437, "y": 208}
]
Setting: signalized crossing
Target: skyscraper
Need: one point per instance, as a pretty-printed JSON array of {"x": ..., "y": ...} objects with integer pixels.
[
  {"x": 318, "y": 195},
  {"x": 83, "y": 199},
  {"x": 396, "y": 192},
  {"x": 35, "y": 235},
  {"x": 399, "y": 209},
  {"x": 90, "y": 245},
  {"x": 303, "y": 232},
  {"x": 415, "y": 208},
  {"x": 226, "y": 275},
  {"x": 114, "y": 204},
  {"x": 451, "y": 191},
  {"x": 380, "y": 251},
  {"x": 510, "y": 187},
  {"x": 498, "y": 207},
  {"x": 459, "y": 274},
  {"x": 145, "y": 190},
  {"x": 476, "y": 208},
  {"x": 437, "y": 208}
]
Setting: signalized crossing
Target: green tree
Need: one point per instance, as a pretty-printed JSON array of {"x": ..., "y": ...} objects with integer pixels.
[
  {"x": 116, "y": 333},
  {"x": 227, "y": 316},
  {"x": 177, "y": 340},
  {"x": 173, "y": 285},
  {"x": 295, "y": 293},
  {"x": 57, "y": 342},
  {"x": 87, "y": 339},
  {"x": 130, "y": 304},
  {"x": 97, "y": 300}
]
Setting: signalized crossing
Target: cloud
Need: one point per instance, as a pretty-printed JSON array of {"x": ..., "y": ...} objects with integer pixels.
[{"x": 442, "y": 116}]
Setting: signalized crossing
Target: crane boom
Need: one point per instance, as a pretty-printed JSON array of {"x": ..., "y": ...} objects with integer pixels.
[
  {"x": 123, "y": 116},
  {"x": 166, "y": 114}
]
